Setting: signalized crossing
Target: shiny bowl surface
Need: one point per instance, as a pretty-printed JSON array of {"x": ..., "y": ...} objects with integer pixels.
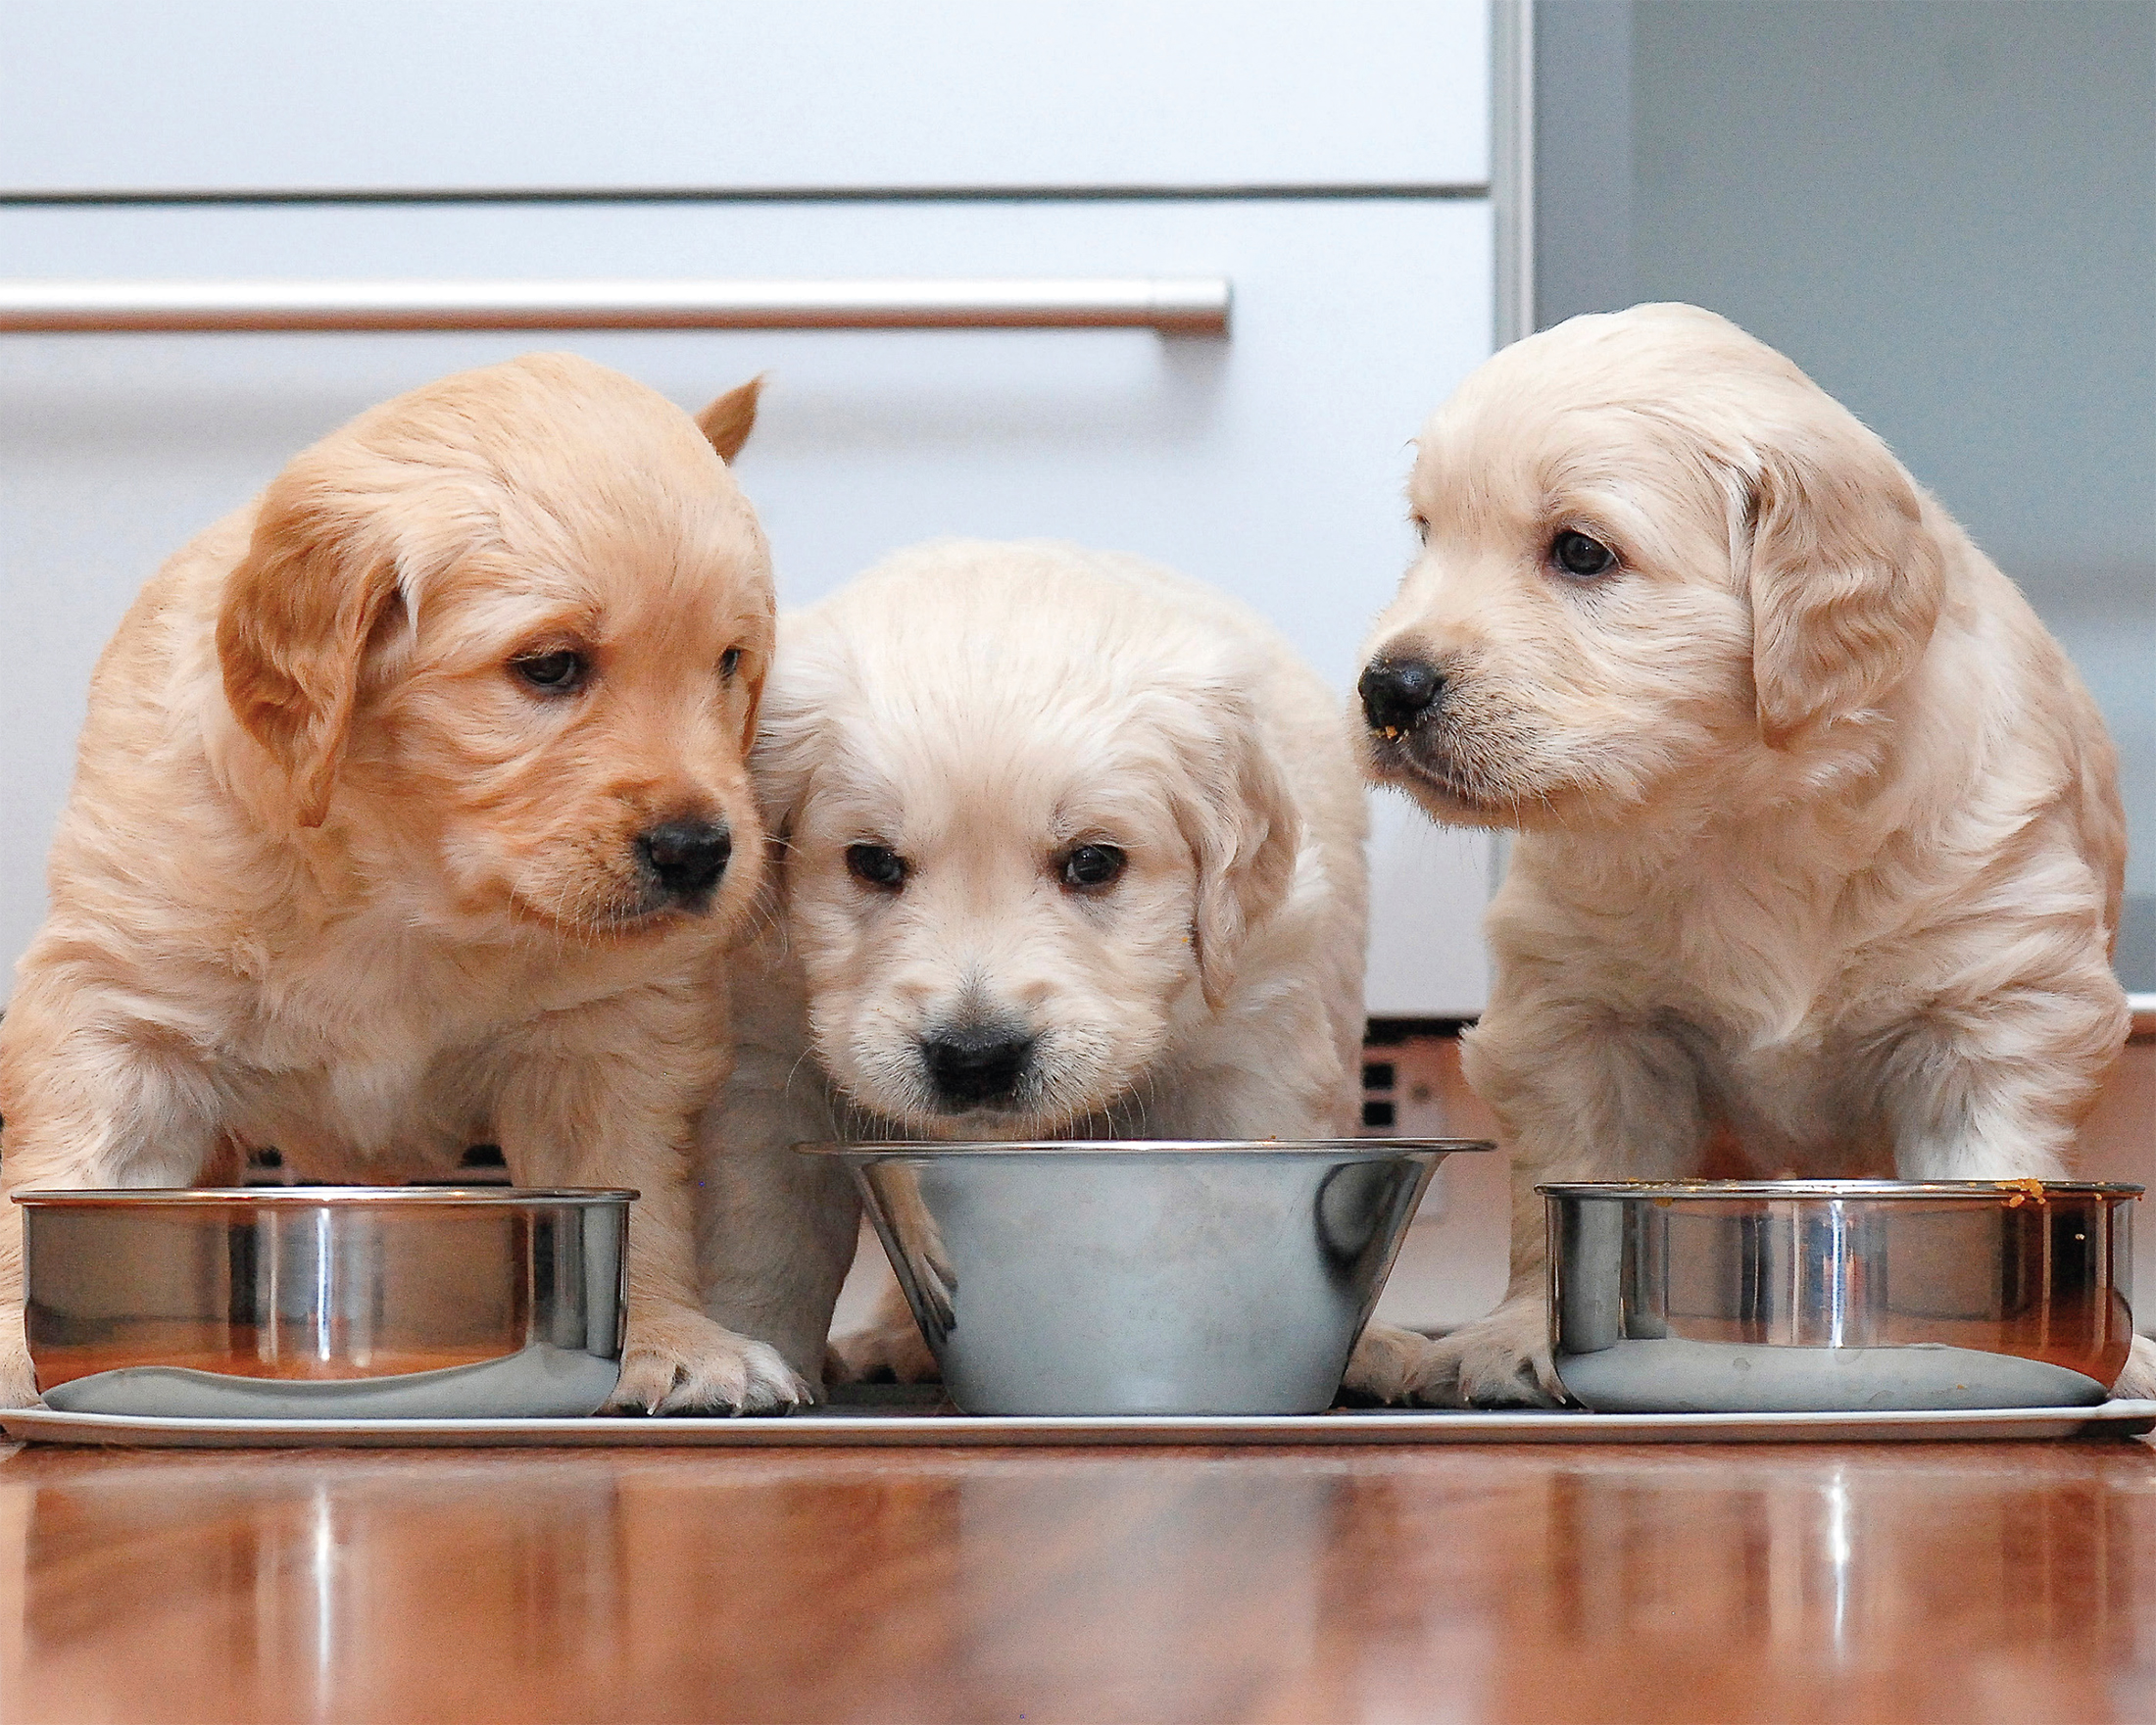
[
  {"x": 1139, "y": 1277},
  {"x": 326, "y": 1301},
  {"x": 1766, "y": 1295}
]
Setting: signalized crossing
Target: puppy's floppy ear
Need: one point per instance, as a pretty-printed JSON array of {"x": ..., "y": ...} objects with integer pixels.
[
  {"x": 1235, "y": 813},
  {"x": 729, "y": 419},
  {"x": 298, "y": 611},
  {"x": 1845, "y": 580}
]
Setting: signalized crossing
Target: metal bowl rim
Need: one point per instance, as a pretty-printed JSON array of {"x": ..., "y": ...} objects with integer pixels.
[
  {"x": 1890, "y": 1190},
  {"x": 1334, "y": 1147},
  {"x": 335, "y": 1196}
]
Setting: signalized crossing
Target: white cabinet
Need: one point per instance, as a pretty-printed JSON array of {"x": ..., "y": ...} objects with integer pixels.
[
  {"x": 1270, "y": 462},
  {"x": 227, "y": 96}
]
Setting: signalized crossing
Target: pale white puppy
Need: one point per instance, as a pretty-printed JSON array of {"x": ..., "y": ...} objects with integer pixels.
[
  {"x": 1820, "y": 846},
  {"x": 412, "y": 810},
  {"x": 1068, "y": 846}
]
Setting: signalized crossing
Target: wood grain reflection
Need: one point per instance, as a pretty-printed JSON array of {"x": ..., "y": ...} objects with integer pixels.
[{"x": 1973, "y": 1583}]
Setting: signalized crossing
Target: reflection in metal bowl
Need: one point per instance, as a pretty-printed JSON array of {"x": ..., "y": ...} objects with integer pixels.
[
  {"x": 1706, "y": 1296},
  {"x": 1146, "y": 1276},
  {"x": 326, "y": 1301}
]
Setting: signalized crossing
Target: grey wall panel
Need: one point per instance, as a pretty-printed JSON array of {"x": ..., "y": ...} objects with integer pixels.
[{"x": 1946, "y": 214}]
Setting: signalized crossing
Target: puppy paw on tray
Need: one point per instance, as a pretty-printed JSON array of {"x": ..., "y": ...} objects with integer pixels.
[
  {"x": 685, "y": 1364},
  {"x": 1385, "y": 1363},
  {"x": 883, "y": 1353},
  {"x": 2138, "y": 1382},
  {"x": 17, "y": 1380},
  {"x": 1502, "y": 1360}
]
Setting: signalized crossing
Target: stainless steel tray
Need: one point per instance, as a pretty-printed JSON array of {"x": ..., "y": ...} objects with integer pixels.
[{"x": 902, "y": 1426}]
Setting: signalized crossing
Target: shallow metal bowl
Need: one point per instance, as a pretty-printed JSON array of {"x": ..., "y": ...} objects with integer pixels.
[
  {"x": 1766, "y": 1295},
  {"x": 1143, "y": 1277},
  {"x": 326, "y": 1301}
]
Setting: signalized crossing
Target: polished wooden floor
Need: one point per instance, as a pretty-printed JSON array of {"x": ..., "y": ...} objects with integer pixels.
[{"x": 1973, "y": 1583}]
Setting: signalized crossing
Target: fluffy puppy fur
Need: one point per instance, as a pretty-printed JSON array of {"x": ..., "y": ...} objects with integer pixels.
[
  {"x": 1069, "y": 847},
  {"x": 400, "y": 824},
  {"x": 1820, "y": 846}
]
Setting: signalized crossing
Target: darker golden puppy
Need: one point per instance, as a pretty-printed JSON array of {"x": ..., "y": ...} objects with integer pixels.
[{"x": 409, "y": 813}]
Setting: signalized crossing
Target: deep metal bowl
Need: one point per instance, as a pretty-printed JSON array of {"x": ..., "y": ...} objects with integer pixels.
[
  {"x": 1702, "y": 1296},
  {"x": 1143, "y": 1277},
  {"x": 326, "y": 1301}
]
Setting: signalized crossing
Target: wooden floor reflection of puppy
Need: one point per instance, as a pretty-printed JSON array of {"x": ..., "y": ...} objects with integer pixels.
[
  {"x": 1071, "y": 847},
  {"x": 411, "y": 811},
  {"x": 1820, "y": 848}
]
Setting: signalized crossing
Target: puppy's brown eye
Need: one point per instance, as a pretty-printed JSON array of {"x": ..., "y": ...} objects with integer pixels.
[
  {"x": 729, "y": 662},
  {"x": 554, "y": 673},
  {"x": 1091, "y": 866},
  {"x": 1578, "y": 555},
  {"x": 876, "y": 865},
  {"x": 1421, "y": 524}
]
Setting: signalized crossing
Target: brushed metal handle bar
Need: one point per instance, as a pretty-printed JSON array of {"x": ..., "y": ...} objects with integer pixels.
[{"x": 1172, "y": 305}]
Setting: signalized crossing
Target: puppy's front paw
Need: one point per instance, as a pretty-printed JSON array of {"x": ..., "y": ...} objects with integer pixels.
[
  {"x": 886, "y": 1352},
  {"x": 2138, "y": 1382},
  {"x": 17, "y": 1380},
  {"x": 1385, "y": 1363},
  {"x": 1502, "y": 1360},
  {"x": 679, "y": 1362}
]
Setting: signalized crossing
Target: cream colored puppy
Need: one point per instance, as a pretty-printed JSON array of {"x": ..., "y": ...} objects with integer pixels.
[
  {"x": 411, "y": 811},
  {"x": 1820, "y": 846},
  {"x": 1071, "y": 847}
]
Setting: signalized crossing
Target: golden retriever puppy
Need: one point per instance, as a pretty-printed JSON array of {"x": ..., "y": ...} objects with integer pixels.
[
  {"x": 411, "y": 811},
  {"x": 1820, "y": 847},
  {"x": 1071, "y": 847}
]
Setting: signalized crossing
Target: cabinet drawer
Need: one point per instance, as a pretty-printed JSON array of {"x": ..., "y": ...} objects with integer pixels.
[
  {"x": 1270, "y": 462},
  {"x": 504, "y": 95}
]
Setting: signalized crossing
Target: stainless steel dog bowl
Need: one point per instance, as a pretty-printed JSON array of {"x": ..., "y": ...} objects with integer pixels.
[
  {"x": 1143, "y": 1277},
  {"x": 1828, "y": 1295},
  {"x": 330, "y": 1303}
]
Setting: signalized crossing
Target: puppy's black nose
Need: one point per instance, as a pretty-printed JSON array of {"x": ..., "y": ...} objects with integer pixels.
[
  {"x": 686, "y": 857},
  {"x": 976, "y": 1064},
  {"x": 1396, "y": 692}
]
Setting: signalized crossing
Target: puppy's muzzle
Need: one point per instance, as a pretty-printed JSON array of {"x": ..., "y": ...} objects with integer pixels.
[
  {"x": 684, "y": 859},
  {"x": 976, "y": 1065},
  {"x": 1398, "y": 693}
]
